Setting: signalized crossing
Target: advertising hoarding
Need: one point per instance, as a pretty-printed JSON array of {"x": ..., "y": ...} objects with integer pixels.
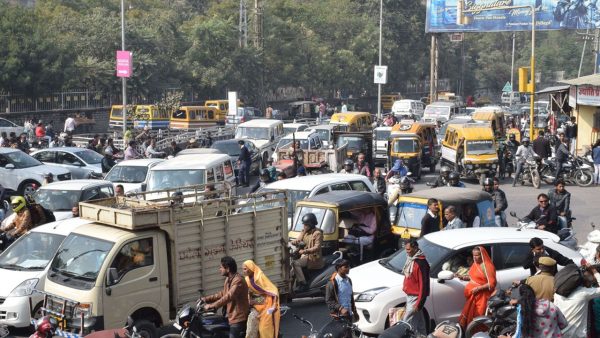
[{"x": 550, "y": 15}]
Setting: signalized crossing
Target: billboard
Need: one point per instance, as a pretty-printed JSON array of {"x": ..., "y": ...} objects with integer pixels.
[{"x": 550, "y": 15}]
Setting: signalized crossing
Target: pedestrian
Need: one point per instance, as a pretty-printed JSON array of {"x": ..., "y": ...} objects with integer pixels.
[
  {"x": 174, "y": 149},
  {"x": 415, "y": 286},
  {"x": 575, "y": 306},
  {"x": 481, "y": 286},
  {"x": 571, "y": 135},
  {"x": 322, "y": 111},
  {"x": 560, "y": 199},
  {"x": 48, "y": 178},
  {"x": 107, "y": 161},
  {"x": 344, "y": 107},
  {"x": 431, "y": 221},
  {"x": 50, "y": 130},
  {"x": 263, "y": 298},
  {"x": 338, "y": 293},
  {"x": 453, "y": 221},
  {"x": 561, "y": 155},
  {"x": 543, "y": 282},
  {"x": 301, "y": 171},
  {"x": 151, "y": 151},
  {"x": 192, "y": 143},
  {"x": 269, "y": 112},
  {"x": 379, "y": 182},
  {"x": 500, "y": 204},
  {"x": 234, "y": 296},
  {"x": 70, "y": 125},
  {"x": 538, "y": 249},
  {"x": 596, "y": 158},
  {"x": 244, "y": 163},
  {"x": 541, "y": 146},
  {"x": 272, "y": 170},
  {"x": 75, "y": 211}
]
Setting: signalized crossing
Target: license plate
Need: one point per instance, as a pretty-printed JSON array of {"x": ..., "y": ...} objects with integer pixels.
[
  {"x": 405, "y": 235},
  {"x": 177, "y": 326}
]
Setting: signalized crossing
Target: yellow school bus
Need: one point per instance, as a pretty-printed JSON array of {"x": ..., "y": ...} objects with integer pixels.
[
  {"x": 192, "y": 117},
  {"x": 152, "y": 116},
  {"x": 115, "y": 118}
]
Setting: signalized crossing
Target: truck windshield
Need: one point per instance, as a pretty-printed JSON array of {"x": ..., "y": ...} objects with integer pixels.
[
  {"x": 31, "y": 252},
  {"x": 127, "y": 174},
  {"x": 166, "y": 179},
  {"x": 382, "y": 135},
  {"x": 354, "y": 142},
  {"x": 325, "y": 217},
  {"x": 254, "y": 133},
  {"x": 481, "y": 147},
  {"x": 80, "y": 257},
  {"x": 405, "y": 146},
  {"x": 324, "y": 134}
]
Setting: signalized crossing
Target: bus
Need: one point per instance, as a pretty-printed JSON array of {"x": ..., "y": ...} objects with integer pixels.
[
  {"x": 152, "y": 116},
  {"x": 192, "y": 117},
  {"x": 115, "y": 119}
]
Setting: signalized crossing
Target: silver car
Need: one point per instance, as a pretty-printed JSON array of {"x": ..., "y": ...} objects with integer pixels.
[{"x": 81, "y": 162}]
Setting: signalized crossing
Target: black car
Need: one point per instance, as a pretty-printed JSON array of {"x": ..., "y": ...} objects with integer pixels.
[{"x": 232, "y": 148}]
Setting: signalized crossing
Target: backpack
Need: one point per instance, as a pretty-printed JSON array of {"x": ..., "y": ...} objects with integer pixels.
[
  {"x": 40, "y": 215},
  {"x": 567, "y": 280}
]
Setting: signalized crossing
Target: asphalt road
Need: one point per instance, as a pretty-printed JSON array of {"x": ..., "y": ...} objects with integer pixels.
[{"x": 584, "y": 203}]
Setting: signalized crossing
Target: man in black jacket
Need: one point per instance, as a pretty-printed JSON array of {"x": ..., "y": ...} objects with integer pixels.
[
  {"x": 338, "y": 293},
  {"x": 244, "y": 161},
  {"x": 541, "y": 146},
  {"x": 544, "y": 215},
  {"x": 561, "y": 154},
  {"x": 431, "y": 221},
  {"x": 538, "y": 249}
]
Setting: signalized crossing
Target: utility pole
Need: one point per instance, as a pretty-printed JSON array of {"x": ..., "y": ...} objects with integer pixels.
[
  {"x": 596, "y": 36},
  {"x": 123, "y": 79},
  {"x": 243, "y": 25},
  {"x": 257, "y": 25},
  {"x": 380, "y": 35},
  {"x": 433, "y": 69},
  {"x": 512, "y": 71}
]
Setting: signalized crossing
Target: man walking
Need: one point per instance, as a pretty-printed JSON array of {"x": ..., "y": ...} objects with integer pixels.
[
  {"x": 416, "y": 286},
  {"x": 234, "y": 296},
  {"x": 69, "y": 125},
  {"x": 244, "y": 162}
]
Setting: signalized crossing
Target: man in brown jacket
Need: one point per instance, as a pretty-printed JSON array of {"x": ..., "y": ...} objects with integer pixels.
[
  {"x": 234, "y": 296},
  {"x": 311, "y": 256}
]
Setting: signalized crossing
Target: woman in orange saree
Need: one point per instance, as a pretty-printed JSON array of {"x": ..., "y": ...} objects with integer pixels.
[
  {"x": 482, "y": 284},
  {"x": 264, "y": 298}
]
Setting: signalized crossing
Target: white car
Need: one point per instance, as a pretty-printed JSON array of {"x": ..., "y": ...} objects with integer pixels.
[
  {"x": 61, "y": 197},
  {"x": 23, "y": 267},
  {"x": 8, "y": 127},
  {"x": 23, "y": 173},
  {"x": 81, "y": 162},
  {"x": 132, "y": 174},
  {"x": 377, "y": 285},
  {"x": 289, "y": 128}
]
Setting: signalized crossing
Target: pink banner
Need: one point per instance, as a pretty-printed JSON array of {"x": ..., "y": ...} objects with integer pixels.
[{"x": 124, "y": 63}]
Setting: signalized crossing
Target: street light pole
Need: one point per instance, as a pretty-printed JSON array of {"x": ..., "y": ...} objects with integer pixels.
[
  {"x": 380, "y": 34},
  {"x": 123, "y": 79}
]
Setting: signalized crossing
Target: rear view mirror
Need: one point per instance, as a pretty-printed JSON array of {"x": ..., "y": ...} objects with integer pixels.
[
  {"x": 111, "y": 276},
  {"x": 9, "y": 166},
  {"x": 445, "y": 275},
  {"x": 143, "y": 187}
]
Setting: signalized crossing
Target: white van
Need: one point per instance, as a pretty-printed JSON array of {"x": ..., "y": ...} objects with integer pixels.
[
  {"x": 132, "y": 174},
  {"x": 263, "y": 133},
  {"x": 187, "y": 170},
  {"x": 381, "y": 136},
  {"x": 301, "y": 187},
  {"x": 414, "y": 107},
  {"x": 442, "y": 110},
  {"x": 23, "y": 267}
]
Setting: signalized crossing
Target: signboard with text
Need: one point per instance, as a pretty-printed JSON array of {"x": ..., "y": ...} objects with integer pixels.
[
  {"x": 550, "y": 15},
  {"x": 584, "y": 95},
  {"x": 124, "y": 63}
]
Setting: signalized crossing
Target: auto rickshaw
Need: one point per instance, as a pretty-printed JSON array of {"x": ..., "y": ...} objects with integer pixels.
[
  {"x": 494, "y": 116},
  {"x": 357, "y": 143},
  {"x": 473, "y": 207},
  {"x": 343, "y": 215},
  {"x": 416, "y": 144}
]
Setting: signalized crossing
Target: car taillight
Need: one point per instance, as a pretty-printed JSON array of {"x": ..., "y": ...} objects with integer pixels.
[{"x": 242, "y": 119}]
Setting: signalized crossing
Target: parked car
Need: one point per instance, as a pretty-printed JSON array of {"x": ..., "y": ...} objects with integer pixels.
[
  {"x": 81, "y": 162},
  {"x": 243, "y": 114},
  {"x": 232, "y": 148},
  {"x": 132, "y": 174},
  {"x": 22, "y": 173},
  {"x": 8, "y": 127},
  {"x": 378, "y": 285},
  {"x": 61, "y": 197},
  {"x": 309, "y": 140},
  {"x": 23, "y": 266}
]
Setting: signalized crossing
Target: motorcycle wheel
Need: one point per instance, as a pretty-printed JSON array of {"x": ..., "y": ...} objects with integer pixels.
[
  {"x": 477, "y": 325},
  {"x": 584, "y": 178},
  {"x": 535, "y": 178},
  {"x": 545, "y": 173}
]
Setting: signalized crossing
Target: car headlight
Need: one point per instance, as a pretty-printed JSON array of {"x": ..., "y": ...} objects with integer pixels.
[
  {"x": 83, "y": 308},
  {"x": 25, "y": 288},
  {"x": 368, "y": 295}
]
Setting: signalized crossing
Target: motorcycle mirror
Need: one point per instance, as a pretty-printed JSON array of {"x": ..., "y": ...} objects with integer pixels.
[
  {"x": 409, "y": 173},
  {"x": 513, "y": 214}
]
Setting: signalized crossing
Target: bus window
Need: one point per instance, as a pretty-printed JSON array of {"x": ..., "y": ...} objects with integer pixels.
[
  {"x": 211, "y": 115},
  {"x": 179, "y": 114}
]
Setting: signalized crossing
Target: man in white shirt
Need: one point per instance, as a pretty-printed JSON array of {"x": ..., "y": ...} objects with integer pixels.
[
  {"x": 575, "y": 306},
  {"x": 69, "y": 125},
  {"x": 453, "y": 221}
]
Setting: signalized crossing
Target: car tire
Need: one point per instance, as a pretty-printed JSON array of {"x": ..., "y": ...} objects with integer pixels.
[{"x": 27, "y": 187}]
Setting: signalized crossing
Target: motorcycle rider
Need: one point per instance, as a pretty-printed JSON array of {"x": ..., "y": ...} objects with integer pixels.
[
  {"x": 264, "y": 179},
  {"x": 349, "y": 167},
  {"x": 561, "y": 155},
  {"x": 524, "y": 152},
  {"x": 538, "y": 249},
  {"x": 20, "y": 225},
  {"x": 311, "y": 255},
  {"x": 544, "y": 215},
  {"x": 442, "y": 179},
  {"x": 560, "y": 199},
  {"x": 454, "y": 180},
  {"x": 492, "y": 186},
  {"x": 399, "y": 169}
]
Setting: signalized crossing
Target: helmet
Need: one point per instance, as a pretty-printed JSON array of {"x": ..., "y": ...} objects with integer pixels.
[
  {"x": 348, "y": 162},
  {"x": 453, "y": 178},
  {"x": 445, "y": 170},
  {"x": 525, "y": 141},
  {"x": 46, "y": 326},
  {"x": 310, "y": 219},
  {"x": 488, "y": 181},
  {"x": 265, "y": 174},
  {"x": 18, "y": 203},
  {"x": 512, "y": 137}
]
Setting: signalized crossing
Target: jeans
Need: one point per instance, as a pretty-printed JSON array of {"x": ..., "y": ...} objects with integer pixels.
[
  {"x": 237, "y": 330},
  {"x": 558, "y": 170},
  {"x": 414, "y": 318},
  {"x": 518, "y": 172},
  {"x": 597, "y": 173},
  {"x": 500, "y": 219},
  {"x": 244, "y": 173}
]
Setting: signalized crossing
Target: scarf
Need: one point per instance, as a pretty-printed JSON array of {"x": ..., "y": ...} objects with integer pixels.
[{"x": 408, "y": 266}]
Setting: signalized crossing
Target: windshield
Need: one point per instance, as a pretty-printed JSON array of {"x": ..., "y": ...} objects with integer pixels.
[
  {"x": 31, "y": 252},
  {"x": 405, "y": 105},
  {"x": 168, "y": 179},
  {"x": 323, "y": 134},
  {"x": 325, "y": 218},
  {"x": 405, "y": 146},
  {"x": 255, "y": 133},
  {"x": 117, "y": 112},
  {"x": 57, "y": 200},
  {"x": 382, "y": 135},
  {"x": 433, "y": 252},
  {"x": 354, "y": 142},
  {"x": 80, "y": 257},
  {"x": 127, "y": 174},
  {"x": 410, "y": 215},
  {"x": 437, "y": 111},
  {"x": 293, "y": 196},
  {"x": 89, "y": 156},
  {"x": 287, "y": 142},
  {"x": 288, "y": 130},
  {"x": 22, "y": 160},
  {"x": 481, "y": 147},
  {"x": 179, "y": 114},
  {"x": 229, "y": 148}
]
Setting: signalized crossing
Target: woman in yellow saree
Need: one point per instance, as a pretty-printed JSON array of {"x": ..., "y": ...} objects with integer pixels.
[{"x": 264, "y": 298}]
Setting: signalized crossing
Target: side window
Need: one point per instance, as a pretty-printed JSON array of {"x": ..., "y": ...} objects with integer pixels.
[
  {"x": 107, "y": 191},
  {"x": 133, "y": 255},
  {"x": 3, "y": 161},
  {"x": 510, "y": 255},
  {"x": 45, "y": 156},
  {"x": 66, "y": 158},
  {"x": 90, "y": 194},
  {"x": 219, "y": 172},
  {"x": 228, "y": 169},
  {"x": 340, "y": 186},
  {"x": 359, "y": 186},
  {"x": 5, "y": 123},
  {"x": 210, "y": 176},
  {"x": 322, "y": 191}
]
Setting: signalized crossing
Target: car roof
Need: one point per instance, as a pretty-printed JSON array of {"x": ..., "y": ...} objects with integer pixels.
[
  {"x": 75, "y": 184},
  {"x": 458, "y": 238},
  {"x": 67, "y": 149},
  {"x": 8, "y": 150},
  {"x": 308, "y": 183},
  {"x": 198, "y": 151},
  {"x": 63, "y": 227},
  {"x": 348, "y": 199},
  {"x": 142, "y": 162},
  {"x": 294, "y": 125},
  {"x": 192, "y": 162},
  {"x": 299, "y": 135},
  {"x": 451, "y": 194},
  {"x": 443, "y": 104},
  {"x": 324, "y": 126},
  {"x": 260, "y": 123}
]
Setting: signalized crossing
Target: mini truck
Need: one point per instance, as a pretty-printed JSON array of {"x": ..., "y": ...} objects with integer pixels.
[{"x": 146, "y": 259}]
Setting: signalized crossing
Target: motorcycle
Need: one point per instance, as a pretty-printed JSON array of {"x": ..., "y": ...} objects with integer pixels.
[
  {"x": 143, "y": 329},
  {"x": 500, "y": 317},
  {"x": 336, "y": 328},
  {"x": 316, "y": 280},
  {"x": 566, "y": 235},
  {"x": 403, "y": 329},
  {"x": 529, "y": 174},
  {"x": 588, "y": 250},
  {"x": 575, "y": 171},
  {"x": 509, "y": 165}
]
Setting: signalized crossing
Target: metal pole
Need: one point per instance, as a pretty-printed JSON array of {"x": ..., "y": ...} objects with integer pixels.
[
  {"x": 432, "y": 69},
  {"x": 379, "y": 85},
  {"x": 123, "y": 79},
  {"x": 512, "y": 70},
  {"x": 596, "y": 51},
  {"x": 587, "y": 31},
  {"x": 531, "y": 105}
]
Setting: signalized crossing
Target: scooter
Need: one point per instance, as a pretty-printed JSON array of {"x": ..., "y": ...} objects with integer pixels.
[
  {"x": 316, "y": 280},
  {"x": 500, "y": 317},
  {"x": 588, "y": 250},
  {"x": 566, "y": 235},
  {"x": 45, "y": 327}
]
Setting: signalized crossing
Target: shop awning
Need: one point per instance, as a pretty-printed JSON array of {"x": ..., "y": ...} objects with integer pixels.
[
  {"x": 590, "y": 80},
  {"x": 554, "y": 89}
]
